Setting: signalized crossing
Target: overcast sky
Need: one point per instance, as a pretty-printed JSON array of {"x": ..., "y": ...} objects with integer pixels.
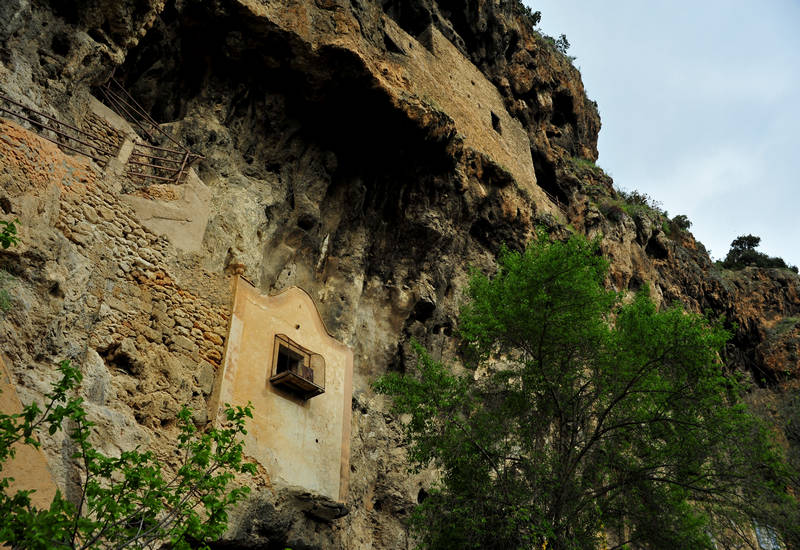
[{"x": 700, "y": 103}]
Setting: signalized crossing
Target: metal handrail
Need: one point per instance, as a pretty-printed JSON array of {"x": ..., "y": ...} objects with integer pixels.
[
  {"x": 126, "y": 106},
  {"x": 53, "y": 119},
  {"x": 101, "y": 158}
]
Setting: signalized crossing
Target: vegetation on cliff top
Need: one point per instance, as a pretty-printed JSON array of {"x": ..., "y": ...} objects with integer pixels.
[
  {"x": 583, "y": 421},
  {"x": 743, "y": 253}
]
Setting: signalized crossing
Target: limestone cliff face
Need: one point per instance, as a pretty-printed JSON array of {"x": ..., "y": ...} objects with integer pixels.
[{"x": 367, "y": 151}]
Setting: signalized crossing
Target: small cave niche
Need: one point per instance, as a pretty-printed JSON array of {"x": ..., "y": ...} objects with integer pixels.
[
  {"x": 60, "y": 44},
  {"x": 496, "y": 123},
  {"x": 99, "y": 35},
  {"x": 306, "y": 222},
  {"x": 445, "y": 329},
  {"x": 168, "y": 67},
  {"x": 392, "y": 46},
  {"x": 563, "y": 110},
  {"x": 56, "y": 291},
  {"x": 512, "y": 46},
  {"x": 121, "y": 357},
  {"x": 655, "y": 249},
  {"x": 546, "y": 177},
  {"x": 422, "y": 494},
  {"x": 397, "y": 363},
  {"x": 412, "y": 17},
  {"x": 635, "y": 283},
  {"x": 423, "y": 310}
]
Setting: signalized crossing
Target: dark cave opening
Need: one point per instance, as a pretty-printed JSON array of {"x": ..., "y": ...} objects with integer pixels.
[
  {"x": 563, "y": 110},
  {"x": 60, "y": 44},
  {"x": 496, "y": 123},
  {"x": 271, "y": 93},
  {"x": 412, "y": 17},
  {"x": 339, "y": 106},
  {"x": 546, "y": 176},
  {"x": 656, "y": 250}
]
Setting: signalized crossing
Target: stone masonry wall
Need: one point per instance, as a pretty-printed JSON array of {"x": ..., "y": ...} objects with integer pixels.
[{"x": 122, "y": 305}]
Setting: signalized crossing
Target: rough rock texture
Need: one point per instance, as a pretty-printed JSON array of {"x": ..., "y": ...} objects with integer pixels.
[{"x": 341, "y": 155}]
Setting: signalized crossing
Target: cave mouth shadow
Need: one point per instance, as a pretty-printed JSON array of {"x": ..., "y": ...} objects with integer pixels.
[{"x": 192, "y": 55}]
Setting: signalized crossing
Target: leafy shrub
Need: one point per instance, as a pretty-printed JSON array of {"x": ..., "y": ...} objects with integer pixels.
[
  {"x": 743, "y": 253},
  {"x": 8, "y": 234},
  {"x": 581, "y": 164},
  {"x": 562, "y": 44},
  {"x": 124, "y": 502},
  {"x": 532, "y": 17},
  {"x": 612, "y": 210},
  {"x": 632, "y": 203},
  {"x": 638, "y": 203},
  {"x": 682, "y": 222},
  {"x": 636, "y": 198}
]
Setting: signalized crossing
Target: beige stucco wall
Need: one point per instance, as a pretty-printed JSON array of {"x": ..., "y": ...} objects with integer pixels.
[
  {"x": 29, "y": 466},
  {"x": 300, "y": 443}
]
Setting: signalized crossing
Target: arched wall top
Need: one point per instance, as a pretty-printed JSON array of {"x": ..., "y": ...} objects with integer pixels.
[{"x": 294, "y": 292}]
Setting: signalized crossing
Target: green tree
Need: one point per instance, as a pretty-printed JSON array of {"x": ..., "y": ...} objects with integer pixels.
[
  {"x": 682, "y": 222},
  {"x": 125, "y": 501},
  {"x": 743, "y": 253},
  {"x": 562, "y": 44},
  {"x": 578, "y": 416}
]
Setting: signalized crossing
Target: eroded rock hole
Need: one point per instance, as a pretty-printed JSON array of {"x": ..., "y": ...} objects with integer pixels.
[
  {"x": 122, "y": 357},
  {"x": 423, "y": 311},
  {"x": 56, "y": 291},
  {"x": 391, "y": 45},
  {"x": 306, "y": 222},
  {"x": 445, "y": 329},
  {"x": 60, "y": 44},
  {"x": 656, "y": 250},
  {"x": 563, "y": 110},
  {"x": 98, "y": 36},
  {"x": 546, "y": 176},
  {"x": 496, "y": 123},
  {"x": 413, "y": 17},
  {"x": 397, "y": 362}
]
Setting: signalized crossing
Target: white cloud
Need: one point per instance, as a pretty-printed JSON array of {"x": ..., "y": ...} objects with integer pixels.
[{"x": 700, "y": 107}]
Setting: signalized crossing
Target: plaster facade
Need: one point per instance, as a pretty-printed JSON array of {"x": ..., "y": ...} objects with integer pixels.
[{"x": 300, "y": 442}]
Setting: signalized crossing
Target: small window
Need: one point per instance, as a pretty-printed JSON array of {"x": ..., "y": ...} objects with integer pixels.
[
  {"x": 296, "y": 369},
  {"x": 496, "y": 123},
  {"x": 289, "y": 361}
]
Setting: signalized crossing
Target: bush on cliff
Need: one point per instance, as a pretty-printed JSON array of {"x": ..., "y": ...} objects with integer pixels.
[
  {"x": 8, "y": 233},
  {"x": 581, "y": 421},
  {"x": 126, "y": 501},
  {"x": 743, "y": 253}
]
